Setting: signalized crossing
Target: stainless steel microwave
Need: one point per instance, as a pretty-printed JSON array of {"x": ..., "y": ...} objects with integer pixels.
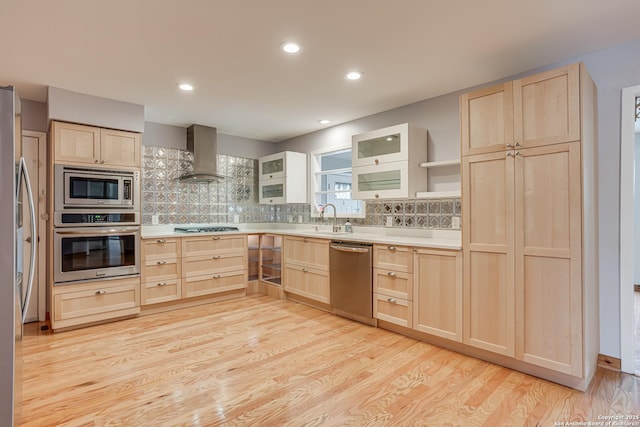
[{"x": 95, "y": 188}]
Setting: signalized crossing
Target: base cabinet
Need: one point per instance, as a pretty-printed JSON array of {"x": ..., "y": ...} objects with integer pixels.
[
  {"x": 437, "y": 290},
  {"x": 393, "y": 284},
  {"x": 306, "y": 268},
  {"x": 94, "y": 302}
]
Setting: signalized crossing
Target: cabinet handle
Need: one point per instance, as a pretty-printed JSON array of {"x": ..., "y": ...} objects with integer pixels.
[
  {"x": 215, "y": 257},
  {"x": 377, "y": 196},
  {"x": 101, "y": 161},
  {"x": 161, "y": 262},
  {"x": 518, "y": 145},
  {"x": 509, "y": 145},
  {"x": 392, "y": 274},
  {"x": 96, "y": 160},
  {"x": 162, "y": 284},
  {"x": 509, "y": 154},
  {"x": 391, "y": 248},
  {"x": 216, "y": 237},
  {"x": 376, "y": 161},
  {"x": 392, "y": 301},
  {"x": 101, "y": 292},
  {"x": 518, "y": 154},
  {"x": 305, "y": 270},
  {"x": 270, "y": 176},
  {"x": 216, "y": 276},
  {"x": 161, "y": 241}
]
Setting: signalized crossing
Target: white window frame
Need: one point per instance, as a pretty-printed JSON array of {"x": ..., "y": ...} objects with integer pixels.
[{"x": 314, "y": 171}]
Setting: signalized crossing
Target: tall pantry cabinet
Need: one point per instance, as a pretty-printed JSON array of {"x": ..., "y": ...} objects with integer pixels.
[{"x": 530, "y": 223}]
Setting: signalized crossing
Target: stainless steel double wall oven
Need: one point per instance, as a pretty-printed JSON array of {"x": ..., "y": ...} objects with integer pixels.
[{"x": 96, "y": 224}]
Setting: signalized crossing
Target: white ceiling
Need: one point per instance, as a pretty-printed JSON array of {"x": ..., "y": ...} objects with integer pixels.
[{"x": 409, "y": 50}]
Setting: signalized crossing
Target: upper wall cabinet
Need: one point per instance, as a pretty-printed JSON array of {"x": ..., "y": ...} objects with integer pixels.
[
  {"x": 283, "y": 178},
  {"x": 83, "y": 145},
  {"x": 386, "y": 163},
  {"x": 538, "y": 110}
]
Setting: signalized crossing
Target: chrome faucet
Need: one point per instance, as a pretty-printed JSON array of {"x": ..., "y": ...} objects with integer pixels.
[{"x": 336, "y": 227}]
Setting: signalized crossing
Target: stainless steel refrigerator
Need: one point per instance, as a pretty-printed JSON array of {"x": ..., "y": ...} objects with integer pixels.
[{"x": 16, "y": 279}]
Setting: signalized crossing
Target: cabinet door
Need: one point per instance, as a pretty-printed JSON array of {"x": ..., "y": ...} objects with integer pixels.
[
  {"x": 383, "y": 181},
  {"x": 273, "y": 191},
  {"x": 547, "y": 107},
  {"x": 307, "y": 282},
  {"x": 271, "y": 167},
  {"x": 488, "y": 258},
  {"x": 438, "y": 293},
  {"x": 76, "y": 143},
  {"x": 548, "y": 257},
  {"x": 390, "y": 144},
  {"x": 307, "y": 252},
  {"x": 486, "y": 120},
  {"x": 119, "y": 148},
  {"x": 160, "y": 291}
]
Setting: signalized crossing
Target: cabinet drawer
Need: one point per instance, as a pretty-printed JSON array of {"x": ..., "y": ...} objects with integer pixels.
[
  {"x": 210, "y": 245},
  {"x": 393, "y": 310},
  {"x": 92, "y": 302},
  {"x": 158, "y": 291},
  {"x": 307, "y": 251},
  {"x": 392, "y": 257},
  {"x": 393, "y": 283},
  {"x": 160, "y": 248},
  {"x": 210, "y": 284},
  {"x": 307, "y": 282},
  {"x": 153, "y": 270},
  {"x": 212, "y": 264}
]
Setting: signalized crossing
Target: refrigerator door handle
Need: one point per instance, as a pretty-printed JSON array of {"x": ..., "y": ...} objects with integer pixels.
[{"x": 23, "y": 173}]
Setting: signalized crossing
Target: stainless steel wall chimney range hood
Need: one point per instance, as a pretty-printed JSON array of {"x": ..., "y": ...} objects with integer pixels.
[{"x": 202, "y": 141}]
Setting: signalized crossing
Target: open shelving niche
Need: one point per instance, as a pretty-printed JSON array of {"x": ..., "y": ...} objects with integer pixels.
[
  {"x": 442, "y": 184},
  {"x": 271, "y": 259}
]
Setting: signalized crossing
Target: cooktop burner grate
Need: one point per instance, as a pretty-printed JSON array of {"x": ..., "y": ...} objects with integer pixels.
[{"x": 205, "y": 229}]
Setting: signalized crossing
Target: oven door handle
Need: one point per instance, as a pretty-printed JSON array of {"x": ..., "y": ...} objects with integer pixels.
[{"x": 95, "y": 231}]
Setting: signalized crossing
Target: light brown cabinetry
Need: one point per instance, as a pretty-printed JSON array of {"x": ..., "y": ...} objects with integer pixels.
[
  {"x": 306, "y": 267},
  {"x": 393, "y": 284},
  {"x": 529, "y": 228},
  {"x": 437, "y": 293},
  {"x": 160, "y": 272},
  {"x": 213, "y": 264},
  {"x": 84, "y": 303},
  {"x": 88, "y": 145}
]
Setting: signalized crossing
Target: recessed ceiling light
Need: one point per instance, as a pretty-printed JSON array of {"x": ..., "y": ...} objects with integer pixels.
[
  {"x": 290, "y": 48},
  {"x": 324, "y": 121},
  {"x": 185, "y": 87},
  {"x": 353, "y": 75}
]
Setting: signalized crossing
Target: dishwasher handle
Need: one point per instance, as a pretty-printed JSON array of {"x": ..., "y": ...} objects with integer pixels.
[{"x": 350, "y": 249}]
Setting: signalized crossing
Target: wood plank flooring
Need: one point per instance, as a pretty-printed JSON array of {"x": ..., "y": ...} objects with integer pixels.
[{"x": 259, "y": 361}]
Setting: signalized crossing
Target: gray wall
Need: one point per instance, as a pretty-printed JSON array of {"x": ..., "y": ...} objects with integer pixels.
[
  {"x": 34, "y": 116},
  {"x": 159, "y": 135},
  {"x": 77, "y": 107},
  {"x": 612, "y": 70}
]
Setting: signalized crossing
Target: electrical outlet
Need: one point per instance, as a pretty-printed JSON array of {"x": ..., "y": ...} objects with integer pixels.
[
  {"x": 389, "y": 221},
  {"x": 289, "y": 218},
  {"x": 155, "y": 220},
  {"x": 236, "y": 218},
  {"x": 300, "y": 219},
  {"x": 455, "y": 222}
]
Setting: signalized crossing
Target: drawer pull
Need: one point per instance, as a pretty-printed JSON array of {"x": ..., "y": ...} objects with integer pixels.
[
  {"x": 161, "y": 241},
  {"x": 161, "y": 262},
  {"x": 391, "y": 248},
  {"x": 305, "y": 270},
  {"x": 392, "y": 274},
  {"x": 392, "y": 301},
  {"x": 377, "y": 162},
  {"x": 377, "y": 196},
  {"x": 101, "y": 292},
  {"x": 216, "y": 276},
  {"x": 215, "y": 257},
  {"x": 216, "y": 237},
  {"x": 162, "y": 284}
]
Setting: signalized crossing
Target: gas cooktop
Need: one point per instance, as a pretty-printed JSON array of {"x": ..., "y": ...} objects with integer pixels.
[{"x": 205, "y": 229}]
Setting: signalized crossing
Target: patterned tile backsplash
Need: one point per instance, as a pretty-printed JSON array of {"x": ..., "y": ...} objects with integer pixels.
[{"x": 176, "y": 202}]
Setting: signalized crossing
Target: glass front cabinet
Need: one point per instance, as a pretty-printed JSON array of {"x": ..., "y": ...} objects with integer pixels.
[
  {"x": 386, "y": 163},
  {"x": 283, "y": 178}
]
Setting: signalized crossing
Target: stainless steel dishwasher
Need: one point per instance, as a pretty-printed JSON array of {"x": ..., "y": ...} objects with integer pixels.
[{"x": 350, "y": 274}]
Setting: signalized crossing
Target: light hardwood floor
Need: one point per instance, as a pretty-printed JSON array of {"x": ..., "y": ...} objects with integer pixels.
[{"x": 264, "y": 362}]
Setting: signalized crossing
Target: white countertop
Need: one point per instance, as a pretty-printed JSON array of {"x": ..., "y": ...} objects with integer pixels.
[{"x": 442, "y": 239}]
